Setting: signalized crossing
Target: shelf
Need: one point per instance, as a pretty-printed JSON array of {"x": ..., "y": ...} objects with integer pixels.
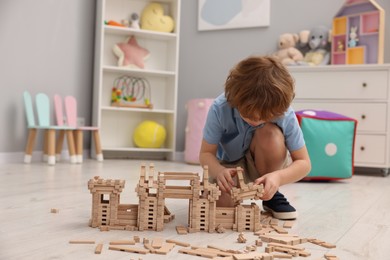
[
  {"x": 370, "y": 23},
  {"x": 340, "y": 26},
  {"x": 117, "y": 30},
  {"x": 138, "y": 72},
  {"x": 135, "y": 149},
  {"x": 143, "y": 110},
  {"x": 356, "y": 55}
]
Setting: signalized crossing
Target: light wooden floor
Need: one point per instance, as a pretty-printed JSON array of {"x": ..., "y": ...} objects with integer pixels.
[{"x": 353, "y": 214}]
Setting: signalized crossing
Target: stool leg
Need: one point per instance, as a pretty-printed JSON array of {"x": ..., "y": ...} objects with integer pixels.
[
  {"x": 32, "y": 133},
  {"x": 71, "y": 146},
  {"x": 98, "y": 146},
  {"x": 51, "y": 147},
  {"x": 79, "y": 145},
  {"x": 45, "y": 145},
  {"x": 59, "y": 143}
]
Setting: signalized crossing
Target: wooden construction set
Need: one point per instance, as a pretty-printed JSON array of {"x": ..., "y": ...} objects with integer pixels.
[{"x": 151, "y": 213}]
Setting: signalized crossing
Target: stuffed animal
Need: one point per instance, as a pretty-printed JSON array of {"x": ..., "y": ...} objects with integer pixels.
[
  {"x": 303, "y": 42},
  {"x": 287, "y": 53},
  {"x": 153, "y": 18},
  {"x": 130, "y": 53},
  {"x": 353, "y": 39},
  {"x": 319, "y": 45}
]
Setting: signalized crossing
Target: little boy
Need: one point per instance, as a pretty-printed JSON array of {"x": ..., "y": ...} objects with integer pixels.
[{"x": 252, "y": 125}]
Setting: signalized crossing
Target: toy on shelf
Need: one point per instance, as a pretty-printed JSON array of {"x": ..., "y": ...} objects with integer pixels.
[
  {"x": 149, "y": 134},
  {"x": 340, "y": 45},
  {"x": 129, "y": 91},
  {"x": 130, "y": 53},
  {"x": 134, "y": 21},
  {"x": 318, "y": 43},
  {"x": 287, "y": 53},
  {"x": 353, "y": 39},
  {"x": 359, "y": 24},
  {"x": 113, "y": 23},
  {"x": 153, "y": 18}
]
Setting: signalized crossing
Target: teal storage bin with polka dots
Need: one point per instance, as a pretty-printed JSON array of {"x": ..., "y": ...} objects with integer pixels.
[{"x": 330, "y": 141}]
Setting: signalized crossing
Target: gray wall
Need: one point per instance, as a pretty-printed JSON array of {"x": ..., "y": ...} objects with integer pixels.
[
  {"x": 207, "y": 56},
  {"x": 47, "y": 45}
]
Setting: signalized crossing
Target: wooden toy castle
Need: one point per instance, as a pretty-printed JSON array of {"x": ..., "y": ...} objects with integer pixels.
[{"x": 151, "y": 213}]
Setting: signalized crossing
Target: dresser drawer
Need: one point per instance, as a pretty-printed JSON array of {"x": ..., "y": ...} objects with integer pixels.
[
  {"x": 371, "y": 117},
  {"x": 370, "y": 149},
  {"x": 341, "y": 84}
]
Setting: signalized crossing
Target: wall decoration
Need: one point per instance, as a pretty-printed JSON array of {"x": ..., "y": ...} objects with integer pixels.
[{"x": 229, "y": 14}]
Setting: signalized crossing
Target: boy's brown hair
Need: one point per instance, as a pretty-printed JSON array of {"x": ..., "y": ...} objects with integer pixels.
[{"x": 260, "y": 87}]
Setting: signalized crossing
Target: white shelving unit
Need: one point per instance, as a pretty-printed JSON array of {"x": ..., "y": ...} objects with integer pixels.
[{"x": 161, "y": 70}]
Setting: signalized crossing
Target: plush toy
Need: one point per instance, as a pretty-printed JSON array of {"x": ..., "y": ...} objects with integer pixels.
[
  {"x": 319, "y": 47},
  {"x": 303, "y": 42},
  {"x": 149, "y": 134},
  {"x": 287, "y": 53},
  {"x": 130, "y": 54},
  {"x": 353, "y": 39},
  {"x": 134, "y": 21},
  {"x": 153, "y": 18}
]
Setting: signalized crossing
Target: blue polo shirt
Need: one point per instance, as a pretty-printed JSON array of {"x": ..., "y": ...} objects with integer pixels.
[{"x": 225, "y": 127}]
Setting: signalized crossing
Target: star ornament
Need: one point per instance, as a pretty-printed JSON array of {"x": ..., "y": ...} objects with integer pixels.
[{"x": 130, "y": 54}]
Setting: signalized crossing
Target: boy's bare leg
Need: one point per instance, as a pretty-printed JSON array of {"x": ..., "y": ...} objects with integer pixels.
[
  {"x": 225, "y": 200},
  {"x": 268, "y": 149}
]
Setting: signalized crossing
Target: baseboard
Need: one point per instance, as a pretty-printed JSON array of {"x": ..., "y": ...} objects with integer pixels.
[
  {"x": 18, "y": 157},
  {"x": 179, "y": 157}
]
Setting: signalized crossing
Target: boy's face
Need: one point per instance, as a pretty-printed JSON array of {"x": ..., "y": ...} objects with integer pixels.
[{"x": 253, "y": 121}]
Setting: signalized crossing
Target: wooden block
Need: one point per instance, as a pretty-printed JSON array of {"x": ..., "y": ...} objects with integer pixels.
[
  {"x": 136, "y": 239},
  {"x": 137, "y": 250},
  {"x": 329, "y": 256},
  {"x": 181, "y": 230},
  {"x": 82, "y": 242},
  {"x": 288, "y": 223},
  {"x": 279, "y": 229},
  {"x": 165, "y": 249},
  {"x": 122, "y": 242},
  {"x": 98, "y": 249},
  {"x": 281, "y": 255},
  {"x": 54, "y": 211},
  {"x": 179, "y": 243},
  {"x": 157, "y": 242},
  {"x": 252, "y": 255},
  {"x": 149, "y": 247},
  {"x": 286, "y": 246},
  {"x": 197, "y": 253}
]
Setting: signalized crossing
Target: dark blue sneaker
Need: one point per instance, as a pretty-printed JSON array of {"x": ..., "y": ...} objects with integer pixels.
[{"x": 280, "y": 207}]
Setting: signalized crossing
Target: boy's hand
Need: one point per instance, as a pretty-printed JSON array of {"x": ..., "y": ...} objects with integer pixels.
[
  {"x": 225, "y": 180},
  {"x": 271, "y": 182}
]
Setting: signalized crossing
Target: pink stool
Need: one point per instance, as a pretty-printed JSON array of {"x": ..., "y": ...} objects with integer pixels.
[{"x": 197, "y": 110}]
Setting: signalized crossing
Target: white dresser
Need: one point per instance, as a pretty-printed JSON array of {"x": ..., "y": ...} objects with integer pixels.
[{"x": 357, "y": 91}]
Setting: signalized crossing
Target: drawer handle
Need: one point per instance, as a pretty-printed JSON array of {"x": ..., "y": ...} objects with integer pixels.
[
  {"x": 362, "y": 148},
  {"x": 364, "y": 84},
  {"x": 363, "y": 116}
]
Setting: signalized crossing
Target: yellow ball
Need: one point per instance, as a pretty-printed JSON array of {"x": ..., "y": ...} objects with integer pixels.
[{"x": 149, "y": 134}]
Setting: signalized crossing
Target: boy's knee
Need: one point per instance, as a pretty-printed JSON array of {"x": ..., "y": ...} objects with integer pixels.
[{"x": 269, "y": 135}]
